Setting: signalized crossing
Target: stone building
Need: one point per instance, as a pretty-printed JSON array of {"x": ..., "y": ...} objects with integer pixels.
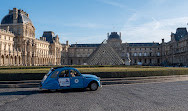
[
  {"x": 8, "y": 54},
  {"x": 18, "y": 46},
  {"x": 172, "y": 53},
  {"x": 130, "y": 53},
  {"x": 20, "y": 35},
  {"x": 175, "y": 52}
]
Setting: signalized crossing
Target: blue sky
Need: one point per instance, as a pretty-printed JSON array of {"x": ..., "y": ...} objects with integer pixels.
[{"x": 89, "y": 21}]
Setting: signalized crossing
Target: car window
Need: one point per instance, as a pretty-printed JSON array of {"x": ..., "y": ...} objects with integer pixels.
[
  {"x": 74, "y": 73},
  {"x": 54, "y": 75},
  {"x": 49, "y": 72},
  {"x": 64, "y": 73}
]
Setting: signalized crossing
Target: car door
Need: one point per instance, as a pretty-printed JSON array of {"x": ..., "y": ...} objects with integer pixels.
[
  {"x": 76, "y": 79},
  {"x": 64, "y": 79},
  {"x": 52, "y": 82}
]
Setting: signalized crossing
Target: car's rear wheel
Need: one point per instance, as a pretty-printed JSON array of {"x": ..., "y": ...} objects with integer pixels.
[{"x": 93, "y": 86}]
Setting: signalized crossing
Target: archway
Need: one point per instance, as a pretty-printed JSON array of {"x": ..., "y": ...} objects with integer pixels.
[
  {"x": 15, "y": 58},
  {"x": 7, "y": 60},
  {"x": 3, "y": 60},
  {"x": 19, "y": 60},
  {"x": 11, "y": 60}
]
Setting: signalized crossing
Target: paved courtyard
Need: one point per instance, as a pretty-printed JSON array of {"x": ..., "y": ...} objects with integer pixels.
[{"x": 133, "y": 97}]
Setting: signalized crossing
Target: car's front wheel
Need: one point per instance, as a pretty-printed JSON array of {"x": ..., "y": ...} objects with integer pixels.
[{"x": 93, "y": 86}]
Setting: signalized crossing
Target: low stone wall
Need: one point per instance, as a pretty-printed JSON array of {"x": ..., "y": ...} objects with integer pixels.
[
  {"x": 39, "y": 76},
  {"x": 21, "y": 76}
]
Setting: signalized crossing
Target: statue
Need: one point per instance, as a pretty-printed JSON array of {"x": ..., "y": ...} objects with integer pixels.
[
  {"x": 8, "y": 28},
  {"x": 128, "y": 60}
]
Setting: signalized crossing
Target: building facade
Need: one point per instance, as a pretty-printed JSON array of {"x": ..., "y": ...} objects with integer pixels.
[
  {"x": 18, "y": 46},
  {"x": 175, "y": 52},
  {"x": 130, "y": 53},
  {"x": 172, "y": 53}
]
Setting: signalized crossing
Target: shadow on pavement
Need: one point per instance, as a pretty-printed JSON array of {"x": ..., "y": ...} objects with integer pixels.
[
  {"x": 19, "y": 93},
  {"x": 31, "y": 92}
]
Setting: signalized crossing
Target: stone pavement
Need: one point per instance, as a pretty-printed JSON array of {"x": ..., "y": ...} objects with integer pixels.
[{"x": 105, "y": 81}]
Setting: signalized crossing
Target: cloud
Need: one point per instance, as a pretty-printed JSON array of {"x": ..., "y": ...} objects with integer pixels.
[
  {"x": 133, "y": 17},
  {"x": 113, "y": 3},
  {"x": 152, "y": 31}
]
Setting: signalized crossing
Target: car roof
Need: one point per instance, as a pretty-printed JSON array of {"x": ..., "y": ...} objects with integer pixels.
[{"x": 64, "y": 67}]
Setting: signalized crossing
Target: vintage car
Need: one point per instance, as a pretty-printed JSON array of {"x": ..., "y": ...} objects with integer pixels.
[{"x": 67, "y": 78}]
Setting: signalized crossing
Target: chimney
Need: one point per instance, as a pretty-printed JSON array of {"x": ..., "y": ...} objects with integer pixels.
[
  {"x": 120, "y": 34},
  {"x": 107, "y": 34},
  {"x": 67, "y": 42},
  {"x": 10, "y": 11},
  {"x": 15, "y": 15},
  {"x": 162, "y": 40}
]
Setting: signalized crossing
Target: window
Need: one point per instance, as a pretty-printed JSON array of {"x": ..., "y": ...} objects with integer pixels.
[
  {"x": 158, "y": 53},
  {"x": 140, "y": 54},
  {"x": 140, "y": 60},
  {"x": 145, "y": 54},
  {"x": 158, "y": 61},
  {"x": 64, "y": 73},
  {"x": 78, "y": 61},
  {"x": 135, "y": 61},
  {"x": 54, "y": 75},
  {"x": 74, "y": 73},
  {"x": 150, "y": 54},
  {"x": 135, "y": 54}
]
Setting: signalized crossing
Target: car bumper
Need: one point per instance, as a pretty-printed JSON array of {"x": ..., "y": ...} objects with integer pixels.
[{"x": 100, "y": 84}]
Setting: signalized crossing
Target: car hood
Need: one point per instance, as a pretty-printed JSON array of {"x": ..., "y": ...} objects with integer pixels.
[{"x": 89, "y": 76}]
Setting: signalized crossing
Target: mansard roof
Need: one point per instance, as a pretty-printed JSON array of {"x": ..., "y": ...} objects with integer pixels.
[
  {"x": 49, "y": 35},
  {"x": 84, "y": 45},
  {"x": 114, "y": 35},
  {"x": 143, "y": 44},
  {"x": 180, "y": 33}
]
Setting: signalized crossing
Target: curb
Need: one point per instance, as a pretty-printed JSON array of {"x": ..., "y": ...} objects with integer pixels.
[{"x": 105, "y": 81}]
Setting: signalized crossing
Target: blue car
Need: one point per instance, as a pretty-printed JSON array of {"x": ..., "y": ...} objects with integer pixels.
[{"x": 68, "y": 78}]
